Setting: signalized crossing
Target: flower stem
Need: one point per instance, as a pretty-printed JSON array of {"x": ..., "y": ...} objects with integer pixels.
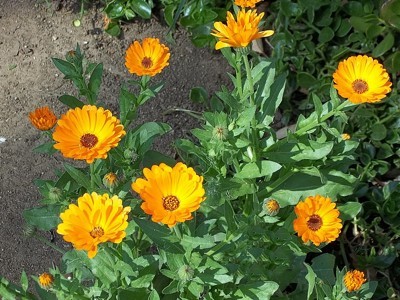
[{"x": 239, "y": 75}]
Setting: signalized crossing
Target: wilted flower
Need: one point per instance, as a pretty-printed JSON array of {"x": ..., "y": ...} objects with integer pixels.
[
  {"x": 170, "y": 195},
  {"x": 220, "y": 132},
  {"x": 110, "y": 180},
  {"x": 353, "y": 280},
  {"x": 43, "y": 118},
  {"x": 361, "y": 79},
  {"x": 96, "y": 219},
  {"x": 239, "y": 33},
  {"x": 247, "y": 3},
  {"x": 148, "y": 58},
  {"x": 87, "y": 133},
  {"x": 317, "y": 220},
  {"x": 271, "y": 207},
  {"x": 46, "y": 280}
]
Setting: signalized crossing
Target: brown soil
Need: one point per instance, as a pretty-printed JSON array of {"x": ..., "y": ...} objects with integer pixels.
[{"x": 31, "y": 33}]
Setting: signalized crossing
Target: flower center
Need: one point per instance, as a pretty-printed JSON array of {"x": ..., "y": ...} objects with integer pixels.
[
  {"x": 170, "y": 203},
  {"x": 97, "y": 232},
  {"x": 89, "y": 140},
  {"x": 314, "y": 223},
  {"x": 360, "y": 86},
  {"x": 147, "y": 62}
]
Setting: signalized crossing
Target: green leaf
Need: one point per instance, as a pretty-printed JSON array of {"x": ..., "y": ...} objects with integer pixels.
[
  {"x": 153, "y": 157},
  {"x": 326, "y": 35},
  {"x": 198, "y": 95},
  {"x": 349, "y": 210},
  {"x": 385, "y": 45},
  {"x": 113, "y": 29},
  {"x": 245, "y": 116},
  {"x": 272, "y": 102},
  {"x": 95, "y": 81},
  {"x": 258, "y": 169},
  {"x": 24, "y": 281},
  {"x": 44, "y": 217},
  {"x": 204, "y": 242},
  {"x": 323, "y": 266},
  {"x": 306, "y": 80},
  {"x": 65, "y": 67},
  {"x": 103, "y": 267},
  {"x": 78, "y": 176},
  {"x": 257, "y": 290},
  {"x": 160, "y": 235},
  {"x": 71, "y": 101},
  {"x": 310, "y": 277},
  {"x": 379, "y": 132},
  {"x": 46, "y": 148},
  {"x": 142, "y": 8}
]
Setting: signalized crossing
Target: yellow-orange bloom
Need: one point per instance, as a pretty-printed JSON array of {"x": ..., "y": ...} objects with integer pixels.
[
  {"x": 43, "y": 118},
  {"x": 271, "y": 207},
  {"x": 46, "y": 280},
  {"x": 170, "y": 195},
  {"x": 353, "y": 280},
  {"x": 317, "y": 220},
  {"x": 345, "y": 136},
  {"x": 361, "y": 79},
  {"x": 96, "y": 219},
  {"x": 239, "y": 33},
  {"x": 87, "y": 133},
  {"x": 148, "y": 58},
  {"x": 247, "y": 3}
]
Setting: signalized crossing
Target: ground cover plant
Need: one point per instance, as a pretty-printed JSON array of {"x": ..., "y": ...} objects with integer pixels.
[{"x": 247, "y": 210}]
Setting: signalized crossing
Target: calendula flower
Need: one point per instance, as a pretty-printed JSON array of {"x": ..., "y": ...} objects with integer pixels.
[
  {"x": 247, "y": 3},
  {"x": 361, "y": 79},
  {"x": 170, "y": 195},
  {"x": 271, "y": 207},
  {"x": 317, "y": 220},
  {"x": 87, "y": 133},
  {"x": 148, "y": 58},
  {"x": 110, "y": 180},
  {"x": 345, "y": 136},
  {"x": 46, "y": 280},
  {"x": 239, "y": 33},
  {"x": 96, "y": 219},
  {"x": 43, "y": 118},
  {"x": 353, "y": 280}
]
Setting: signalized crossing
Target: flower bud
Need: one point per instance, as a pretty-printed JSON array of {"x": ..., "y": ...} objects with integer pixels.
[
  {"x": 46, "y": 280},
  {"x": 110, "y": 180},
  {"x": 55, "y": 194},
  {"x": 271, "y": 207},
  {"x": 185, "y": 273}
]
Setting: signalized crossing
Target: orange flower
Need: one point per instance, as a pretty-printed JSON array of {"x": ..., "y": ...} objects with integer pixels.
[
  {"x": 46, "y": 280},
  {"x": 170, "y": 195},
  {"x": 361, "y": 79},
  {"x": 353, "y": 280},
  {"x": 247, "y": 3},
  {"x": 317, "y": 220},
  {"x": 96, "y": 219},
  {"x": 239, "y": 33},
  {"x": 148, "y": 58},
  {"x": 43, "y": 118},
  {"x": 87, "y": 133}
]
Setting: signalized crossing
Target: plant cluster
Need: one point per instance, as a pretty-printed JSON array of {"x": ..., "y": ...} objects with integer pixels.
[{"x": 247, "y": 212}]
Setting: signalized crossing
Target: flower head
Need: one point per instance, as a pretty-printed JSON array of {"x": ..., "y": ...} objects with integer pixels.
[
  {"x": 353, "y": 280},
  {"x": 345, "y": 136},
  {"x": 239, "y": 33},
  {"x": 361, "y": 79},
  {"x": 148, "y": 58},
  {"x": 271, "y": 207},
  {"x": 317, "y": 220},
  {"x": 247, "y": 3},
  {"x": 96, "y": 219},
  {"x": 43, "y": 118},
  {"x": 46, "y": 280},
  {"x": 110, "y": 180},
  {"x": 87, "y": 133},
  {"x": 170, "y": 195}
]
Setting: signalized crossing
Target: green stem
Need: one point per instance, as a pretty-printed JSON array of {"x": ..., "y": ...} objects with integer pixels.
[
  {"x": 342, "y": 250},
  {"x": 310, "y": 126},
  {"x": 254, "y": 132},
  {"x": 275, "y": 184},
  {"x": 42, "y": 239},
  {"x": 92, "y": 174},
  {"x": 177, "y": 231},
  {"x": 239, "y": 75}
]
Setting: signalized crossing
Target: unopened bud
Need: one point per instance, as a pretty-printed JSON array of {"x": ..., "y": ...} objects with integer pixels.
[
  {"x": 110, "y": 180},
  {"x": 55, "y": 194},
  {"x": 271, "y": 207},
  {"x": 185, "y": 273}
]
